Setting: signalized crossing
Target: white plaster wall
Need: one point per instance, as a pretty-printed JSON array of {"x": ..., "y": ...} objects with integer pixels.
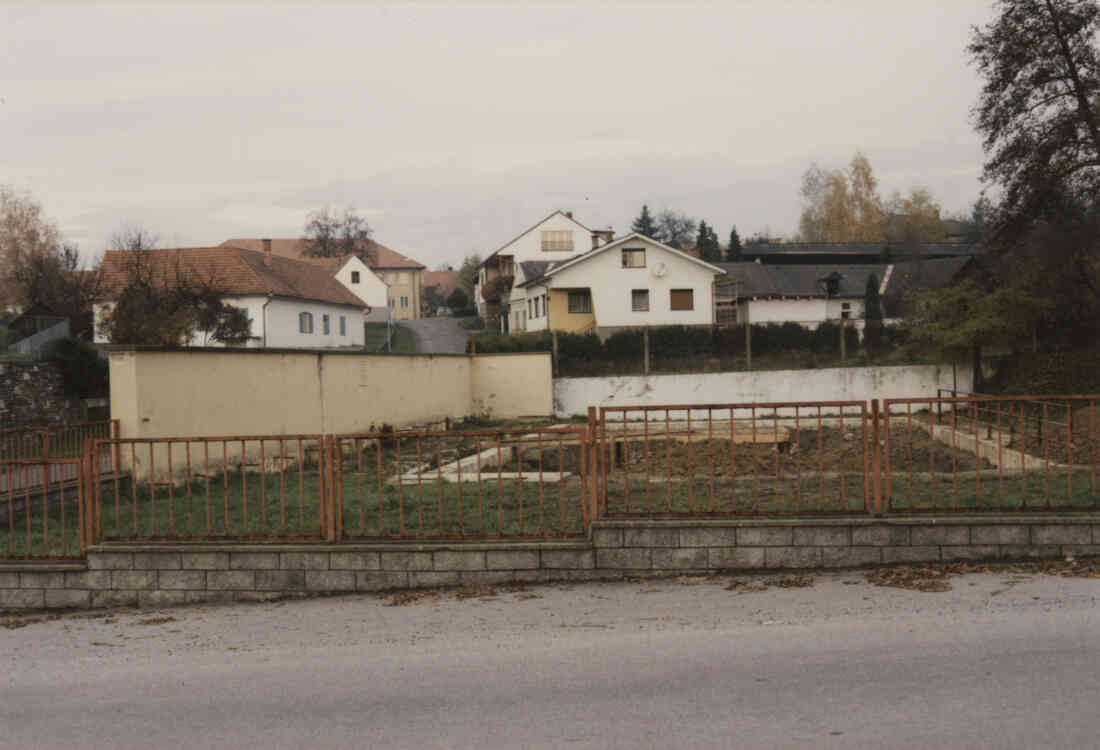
[
  {"x": 371, "y": 289},
  {"x": 541, "y": 322},
  {"x": 611, "y": 286},
  {"x": 573, "y": 396},
  {"x": 834, "y": 307},
  {"x": 282, "y": 325},
  {"x": 529, "y": 245},
  {"x": 784, "y": 310}
]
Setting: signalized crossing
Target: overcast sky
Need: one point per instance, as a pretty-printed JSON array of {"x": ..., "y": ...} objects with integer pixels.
[{"x": 453, "y": 129}]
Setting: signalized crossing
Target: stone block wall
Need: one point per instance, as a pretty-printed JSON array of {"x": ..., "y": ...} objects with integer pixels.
[
  {"x": 33, "y": 393},
  {"x": 167, "y": 574},
  {"x": 641, "y": 547}
]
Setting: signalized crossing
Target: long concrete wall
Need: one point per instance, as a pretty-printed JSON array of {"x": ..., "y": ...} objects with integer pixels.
[
  {"x": 209, "y": 392},
  {"x": 573, "y": 396}
]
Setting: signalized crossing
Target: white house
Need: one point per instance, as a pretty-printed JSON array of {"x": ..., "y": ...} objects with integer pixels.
[
  {"x": 357, "y": 277},
  {"x": 557, "y": 237},
  {"x": 630, "y": 282},
  {"x": 290, "y": 304},
  {"x": 796, "y": 293}
]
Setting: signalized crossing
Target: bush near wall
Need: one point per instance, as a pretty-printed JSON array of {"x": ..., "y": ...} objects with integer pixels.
[
  {"x": 1070, "y": 372},
  {"x": 623, "y": 351}
]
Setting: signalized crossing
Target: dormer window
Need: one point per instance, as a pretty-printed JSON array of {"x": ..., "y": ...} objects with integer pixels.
[{"x": 557, "y": 240}]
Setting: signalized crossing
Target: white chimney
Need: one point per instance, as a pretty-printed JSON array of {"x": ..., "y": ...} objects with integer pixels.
[{"x": 267, "y": 251}]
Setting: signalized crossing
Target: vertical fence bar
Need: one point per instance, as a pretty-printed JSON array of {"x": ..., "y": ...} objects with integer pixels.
[{"x": 876, "y": 455}]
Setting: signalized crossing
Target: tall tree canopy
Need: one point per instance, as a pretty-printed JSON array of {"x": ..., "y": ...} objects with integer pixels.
[
  {"x": 675, "y": 228},
  {"x": 645, "y": 224},
  {"x": 733, "y": 250},
  {"x": 330, "y": 235},
  {"x": 707, "y": 243},
  {"x": 845, "y": 206},
  {"x": 1039, "y": 110}
]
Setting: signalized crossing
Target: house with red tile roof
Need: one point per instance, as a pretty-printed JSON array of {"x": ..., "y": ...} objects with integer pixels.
[
  {"x": 290, "y": 303},
  {"x": 402, "y": 275}
]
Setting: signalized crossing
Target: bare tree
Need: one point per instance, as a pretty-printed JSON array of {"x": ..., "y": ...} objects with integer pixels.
[
  {"x": 675, "y": 229},
  {"x": 330, "y": 236},
  {"x": 133, "y": 237}
]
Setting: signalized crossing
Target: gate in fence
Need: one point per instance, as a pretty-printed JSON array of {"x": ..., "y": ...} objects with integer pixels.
[{"x": 813, "y": 459}]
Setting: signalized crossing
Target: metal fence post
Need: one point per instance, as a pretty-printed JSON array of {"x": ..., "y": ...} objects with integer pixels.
[{"x": 876, "y": 457}]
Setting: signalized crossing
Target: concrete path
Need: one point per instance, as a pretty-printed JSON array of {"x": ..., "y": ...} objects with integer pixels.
[
  {"x": 1002, "y": 660},
  {"x": 438, "y": 335}
]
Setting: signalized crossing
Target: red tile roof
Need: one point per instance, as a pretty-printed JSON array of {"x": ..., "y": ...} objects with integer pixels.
[
  {"x": 446, "y": 281},
  {"x": 233, "y": 270},
  {"x": 295, "y": 248}
]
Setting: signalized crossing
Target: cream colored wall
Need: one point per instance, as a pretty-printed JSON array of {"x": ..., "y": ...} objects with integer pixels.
[
  {"x": 512, "y": 385},
  {"x": 262, "y": 392},
  {"x": 563, "y": 320},
  {"x": 370, "y": 289},
  {"x": 404, "y": 283}
]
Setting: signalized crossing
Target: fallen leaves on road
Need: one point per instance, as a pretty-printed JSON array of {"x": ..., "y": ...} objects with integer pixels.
[
  {"x": 694, "y": 580},
  {"x": 403, "y": 598},
  {"x": 156, "y": 620},
  {"x": 763, "y": 584},
  {"x": 924, "y": 578}
]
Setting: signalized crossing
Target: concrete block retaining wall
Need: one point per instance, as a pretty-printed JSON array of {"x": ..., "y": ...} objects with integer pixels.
[{"x": 167, "y": 574}]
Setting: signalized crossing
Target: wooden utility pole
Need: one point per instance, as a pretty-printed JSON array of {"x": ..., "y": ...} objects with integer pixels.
[{"x": 843, "y": 340}]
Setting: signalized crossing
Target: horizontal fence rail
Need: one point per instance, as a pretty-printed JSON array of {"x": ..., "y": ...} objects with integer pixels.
[
  {"x": 41, "y": 509},
  {"x": 991, "y": 453},
  {"x": 266, "y": 487},
  {"x": 528, "y": 482},
  {"x": 753, "y": 459},
  {"x": 47, "y": 441}
]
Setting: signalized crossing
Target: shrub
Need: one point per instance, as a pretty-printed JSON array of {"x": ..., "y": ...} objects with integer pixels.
[{"x": 83, "y": 371}]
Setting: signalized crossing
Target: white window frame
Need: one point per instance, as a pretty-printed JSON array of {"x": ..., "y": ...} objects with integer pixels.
[
  {"x": 557, "y": 240},
  {"x": 343, "y": 326},
  {"x": 585, "y": 298},
  {"x": 325, "y": 328},
  {"x": 671, "y": 292},
  {"x": 634, "y": 305},
  {"x": 305, "y": 322}
]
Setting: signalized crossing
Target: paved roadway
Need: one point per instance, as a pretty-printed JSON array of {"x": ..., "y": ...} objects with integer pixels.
[
  {"x": 438, "y": 335},
  {"x": 1003, "y": 660}
]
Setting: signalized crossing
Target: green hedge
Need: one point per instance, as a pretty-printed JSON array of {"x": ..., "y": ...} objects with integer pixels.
[
  {"x": 1071, "y": 372},
  {"x": 678, "y": 342}
]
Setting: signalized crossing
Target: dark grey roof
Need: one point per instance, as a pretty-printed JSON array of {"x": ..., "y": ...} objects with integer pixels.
[
  {"x": 533, "y": 269},
  {"x": 802, "y": 280},
  {"x": 861, "y": 248},
  {"x": 935, "y": 273}
]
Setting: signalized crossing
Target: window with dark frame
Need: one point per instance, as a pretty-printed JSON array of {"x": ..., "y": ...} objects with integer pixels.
[
  {"x": 845, "y": 310},
  {"x": 354, "y": 277},
  {"x": 639, "y": 300},
  {"x": 580, "y": 302},
  {"x": 305, "y": 322},
  {"x": 634, "y": 257},
  {"x": 682, "y": 299}
]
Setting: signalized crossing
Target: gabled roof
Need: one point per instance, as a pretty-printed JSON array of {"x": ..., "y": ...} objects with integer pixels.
[
  {"x": 532, "y": 228},
  {"x": 387, "y": 259},
  {"x": 445, "y": 281},
  {"x": 632, "y": 237},
  {"x": 802, "y": 280},
  {"x": 234, "y": 271},
  {"x": 934, "y": 273}
]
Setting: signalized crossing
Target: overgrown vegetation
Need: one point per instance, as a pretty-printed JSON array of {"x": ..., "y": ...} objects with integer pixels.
[{"x": 692, "y": 349}]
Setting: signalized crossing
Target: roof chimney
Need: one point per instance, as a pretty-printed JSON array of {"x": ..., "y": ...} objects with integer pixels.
[
  {"x": 267, "y": 251},
  {"x": 569, "y": 214}
]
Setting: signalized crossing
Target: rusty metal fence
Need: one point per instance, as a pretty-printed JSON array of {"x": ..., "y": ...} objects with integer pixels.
[
  {"x": 520, "y": 483},
  {"x": 1013, "y": 454},
  {"x": 49, "y": 441},
  {"x": 42, "y": 509},
  {"x": 749, "y": 459},
  {"x": 990, "y": 453}
]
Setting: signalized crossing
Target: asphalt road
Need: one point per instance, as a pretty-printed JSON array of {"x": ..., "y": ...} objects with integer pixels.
[
  {"x": 1002, "y": 660},
  {"x": 438, "y": 335}
]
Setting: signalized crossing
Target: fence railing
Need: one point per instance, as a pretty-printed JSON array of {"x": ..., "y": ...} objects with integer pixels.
[
  {"x": 990, "y": 453},
  {"x": 42, "y": 509},
  {"x": 49, "y": 441},
  {"x": 528, "y": 482},
  {"x": 752, "y": 459},
  {"x": 1012, "y": 454},
  {"x": 206, "y": 488}
]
